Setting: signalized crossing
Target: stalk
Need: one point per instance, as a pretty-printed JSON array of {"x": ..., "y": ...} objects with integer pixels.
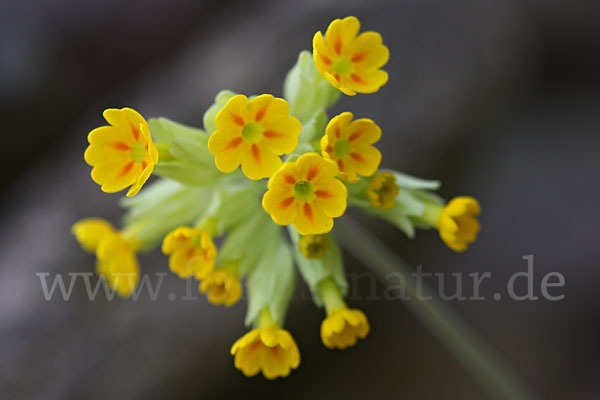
[{"x": 445, "y": 324}]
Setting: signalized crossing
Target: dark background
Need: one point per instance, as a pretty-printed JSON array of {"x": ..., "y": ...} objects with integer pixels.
[{"x": 498, "y": 99}]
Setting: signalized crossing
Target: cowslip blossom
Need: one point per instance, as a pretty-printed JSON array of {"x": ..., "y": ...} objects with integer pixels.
[
  {"x": 314, "y": 246},
  {"x": 306, "y": 193},
  {"x": 191, "y": 252},
  {"x": 382, "y": 190},
  {"x": 327, "y": 166},
  {"x": 457, "y": 224},
  {"x": 267, "y": 349},
  {"x": 351, "y": 62},
  {"x": 221, "y": 287},
  {"x": 116, "y": 256},
  {"x": 348, "y": 143},
  {"x": 343, "y": 326},
  {"x": 253, "y": 134},
  {"x": 122, "y": 154}
]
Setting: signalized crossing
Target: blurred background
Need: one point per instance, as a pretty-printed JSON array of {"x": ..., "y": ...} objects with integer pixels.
[{"x": 498, "y": 99}]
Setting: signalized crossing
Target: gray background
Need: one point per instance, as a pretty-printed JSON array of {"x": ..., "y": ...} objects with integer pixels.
[{"x": 498, "y": 99}]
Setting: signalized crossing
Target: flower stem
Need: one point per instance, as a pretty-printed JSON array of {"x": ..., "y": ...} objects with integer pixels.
[
  {"x": 331, "y": 295},
  {"x": 475, "y": 355}
]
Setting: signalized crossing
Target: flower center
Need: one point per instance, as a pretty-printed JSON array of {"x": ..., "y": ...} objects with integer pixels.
[
  {"x": 304, "y": 191},
  {"x": 342, "y": 148},
  {"x": 137, "y": 152},
  {"x": 342, "y": 65},
  {"x": 196, "y": 241},
  {"x": 252, "y": 132},
  {"x": 218, "y": 290},
  {"x": 317, "y": 246},
  {"x": 389, "y": 190}
]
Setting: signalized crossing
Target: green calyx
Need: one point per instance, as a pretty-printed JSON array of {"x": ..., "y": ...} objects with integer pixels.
[
  {"x": 330, "y": 293},
  {"x": 342, "y": 65},
  {"x": 304, "y": 191},
  {"x": 252, "y": 132},
  {"x": 137, "y": 152}
]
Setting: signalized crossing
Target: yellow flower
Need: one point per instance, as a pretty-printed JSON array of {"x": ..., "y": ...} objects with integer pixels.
[
  {"x": 192, "y": 252},
  {"x": 254, "y": 134},
  {"x": 349, "y": 62},
  {"x": 382, "y": 190},
  {"x": 118, "y": 265},
  {"x": 457, "y": 224},
  {"x": 342, "y": 328},
  {"x": 116, "y": 260},
  {"x": 306, "y": 193},
  {"x": 222, "y": 287},
  {"x": 90, "y": 231},
  {"x": 268, "y": 349},
  {"x": 348, "y": 143},
  {"x": 314, "y": 246},
  {"x": 122, "y": 154}
]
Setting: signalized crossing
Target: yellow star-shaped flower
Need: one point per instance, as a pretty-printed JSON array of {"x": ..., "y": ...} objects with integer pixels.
[
  {"x": 253, "y": 134},
  {"x": 351, "y": 62}
]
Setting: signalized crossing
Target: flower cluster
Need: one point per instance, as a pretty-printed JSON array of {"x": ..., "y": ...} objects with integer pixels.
[{"x": 211, "y": 185}]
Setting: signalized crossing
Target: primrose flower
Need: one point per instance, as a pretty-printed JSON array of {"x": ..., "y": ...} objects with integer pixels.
[
  {"x": 122, "y": 154},
  {"x": 268, "y": 349},
  {"x": 314, "y": 246},
  {"x": 116, "y": 260},
  {"x": 191, "y": 252},
  {"x": 457, "y": 224},
  {"x": 348, "y": 143},
  {"x": 222, "y": 286},
  {"x": 349, "y": 62},
  {"x": 306, "y": 193},
  {"x": 382, "y": 190},
  {"x": 253, "y": 133},
  {"x": 343, "y": 326}
]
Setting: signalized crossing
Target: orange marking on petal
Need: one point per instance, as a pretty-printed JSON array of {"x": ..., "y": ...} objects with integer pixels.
[
  {"x": 341, "y": 165},
  {"x": 337, "y": 77},
  {"x": 237, "y": 119},
  {"x": 308, "y": 212},
  {"x": 324, "y": 194},
  {"x": 121, "y": 146},
  {"x": 358, "y": 57},
  {"x": 189, "y": 253},
  {"x": 355, "y": 136},
  {"x": 338, "y": 45},
  {"x": 135, "y": 131},
  {"x": 260, "y": 114},
  {"x": 357, "y": 157},
  {"x": 255, "y": 345},
  {"x": 256, "y": 153},
  {"x": 286, "y": 203},
  {"x": 329, "y": 149},
  {"x": 144, "y": 165},
  {"x": 357, "y": 79},
  {"x": 312, "y": 172},
  {"x": 338, "y": 133},
  {"x": 289, "y": 179},
  {"x": 272, "y": 134},
  {"x": 234, "y": 143},
  {"x": 126, "y": 169},
  {"x": 325, "y": 59}
]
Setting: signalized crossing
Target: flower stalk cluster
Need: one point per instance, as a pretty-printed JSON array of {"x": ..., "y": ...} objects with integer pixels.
[{"x": 260, "y": 163}]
